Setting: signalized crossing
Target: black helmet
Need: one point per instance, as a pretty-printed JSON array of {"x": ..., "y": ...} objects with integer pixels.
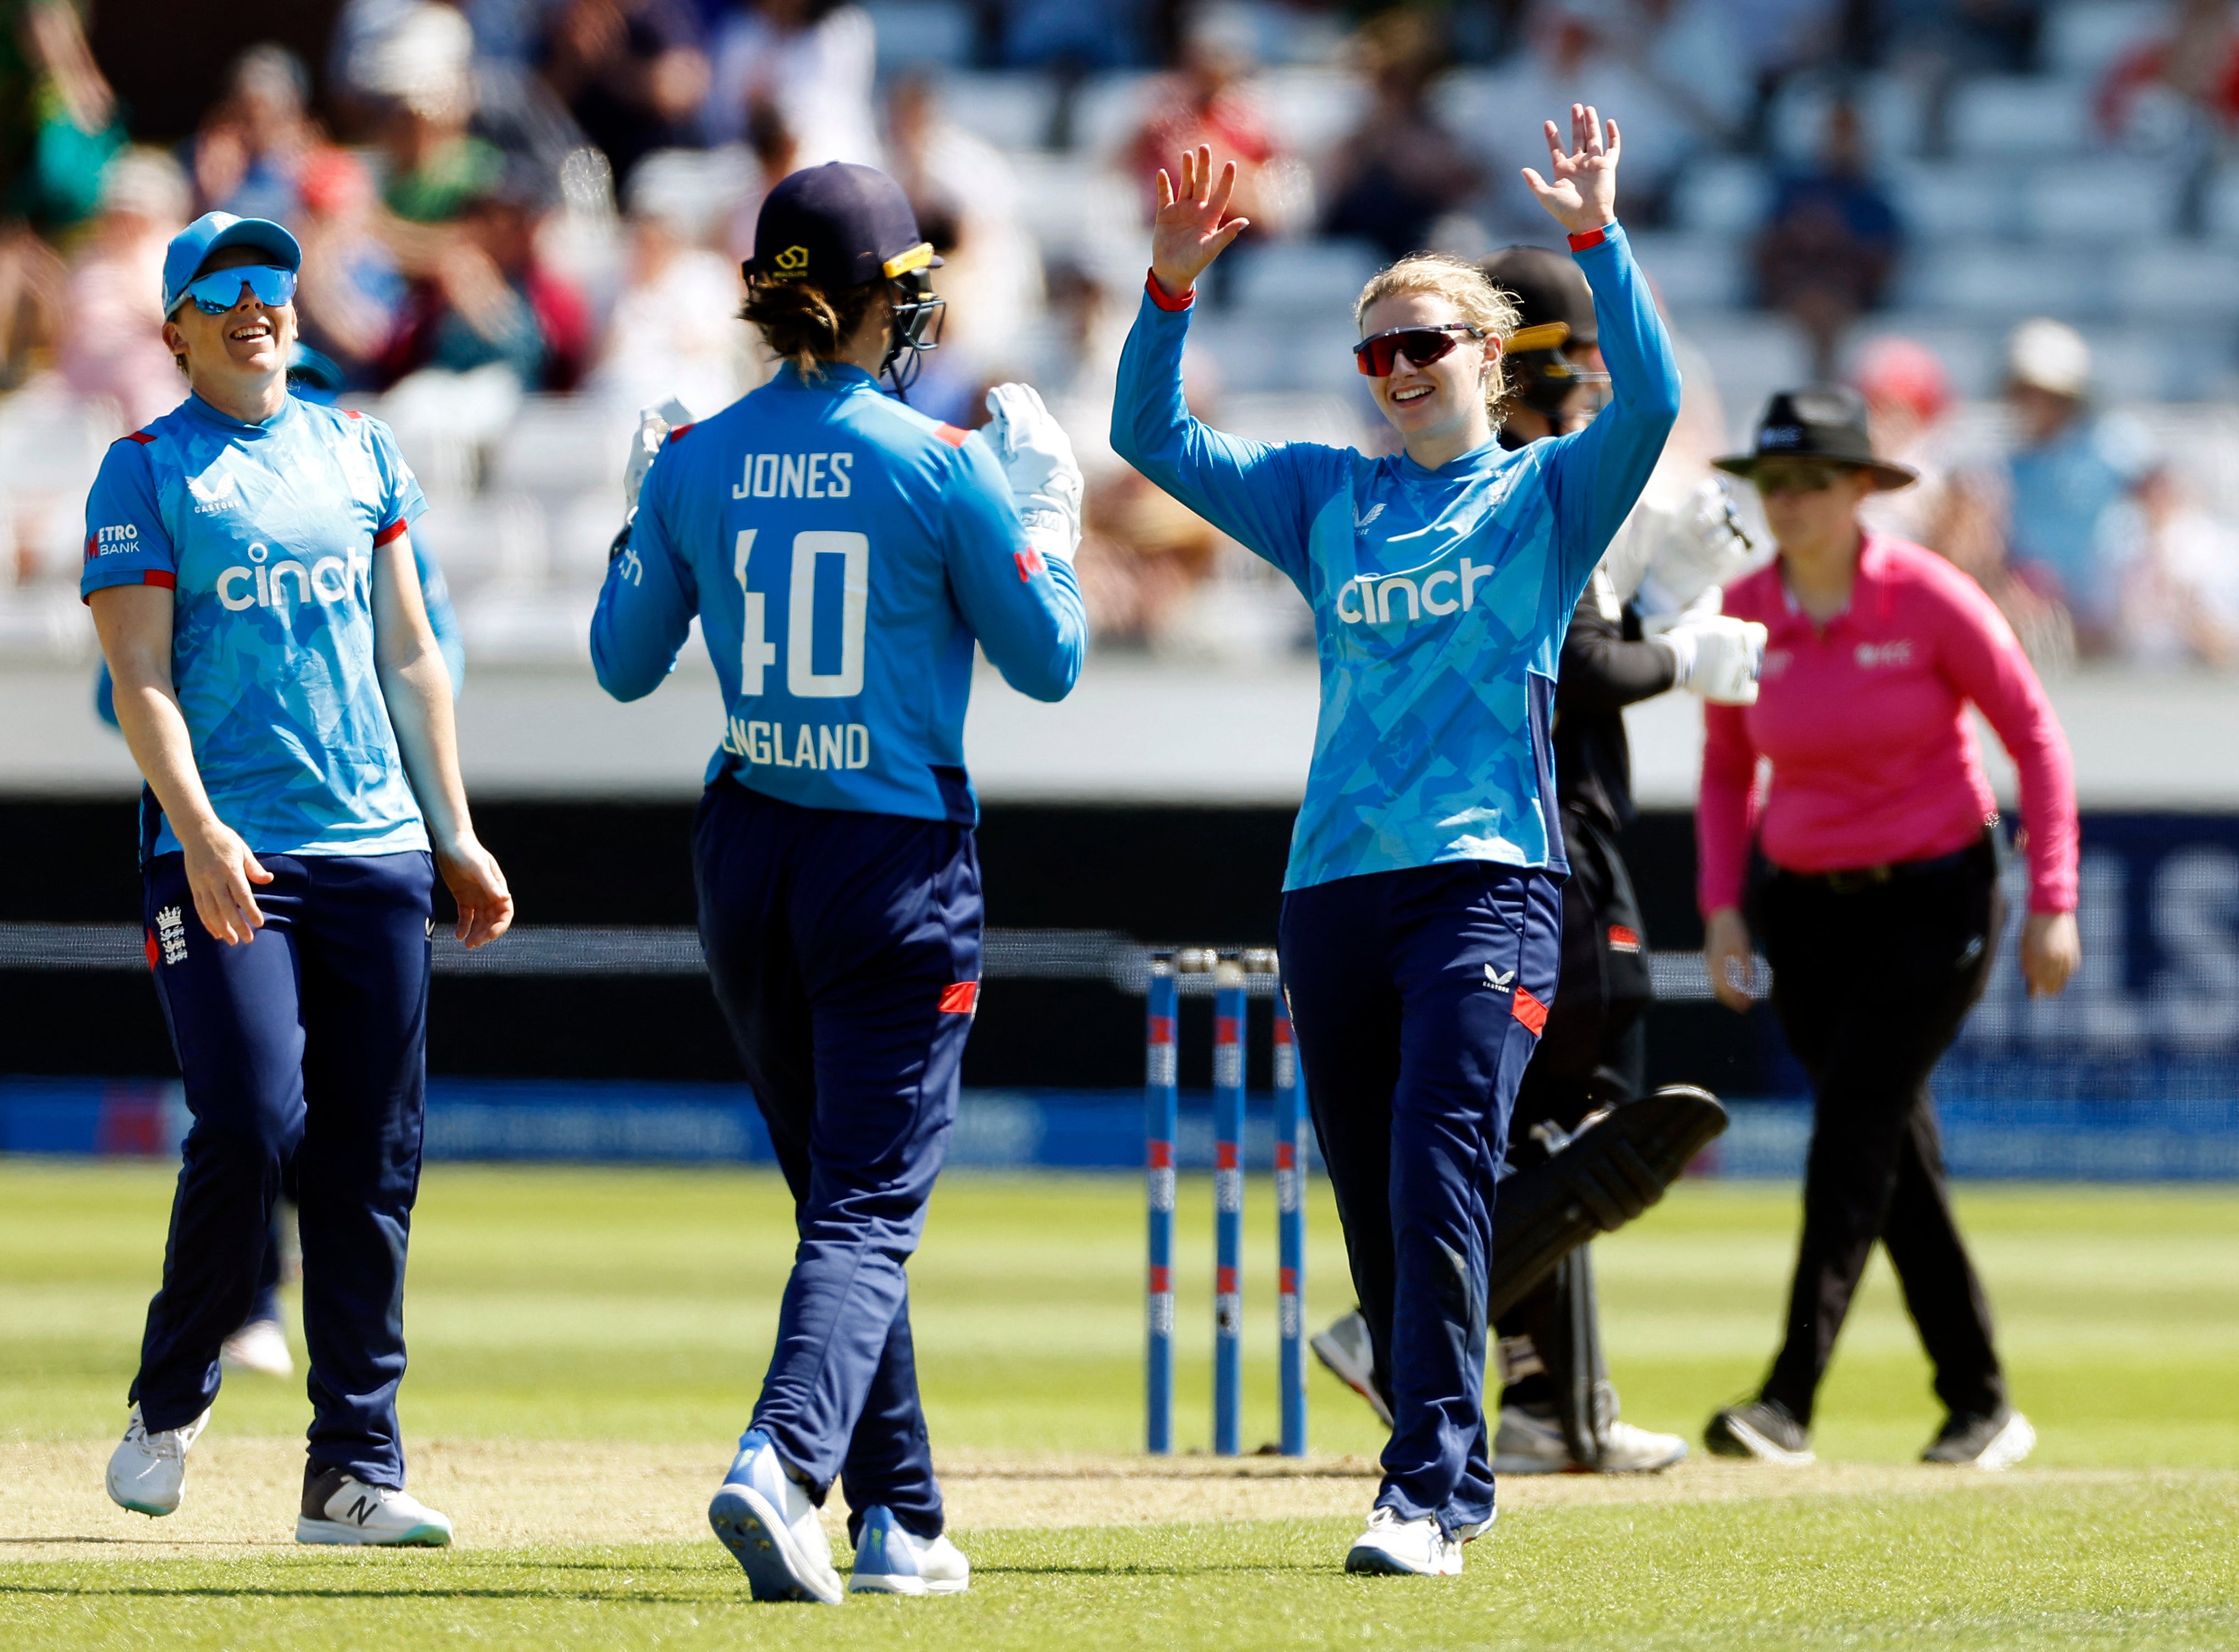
[
  {"x": 840, "y": 225},
  {"x": 1555, "y": 314}
]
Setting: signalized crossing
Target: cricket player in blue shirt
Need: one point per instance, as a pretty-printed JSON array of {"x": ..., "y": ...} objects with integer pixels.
[
  {"x": 1422, "y": 915},
  {"x": 843, "y": 554},
  {"x": 250, "y": 568}
]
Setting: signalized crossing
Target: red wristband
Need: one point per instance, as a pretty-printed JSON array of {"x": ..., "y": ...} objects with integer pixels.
[
  {"x": 1158, "y": 294},
  {"x": 1591, "y": 238}
]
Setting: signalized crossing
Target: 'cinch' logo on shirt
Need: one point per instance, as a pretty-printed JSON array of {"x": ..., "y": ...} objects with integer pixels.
[{"x": 331, "y": 579}]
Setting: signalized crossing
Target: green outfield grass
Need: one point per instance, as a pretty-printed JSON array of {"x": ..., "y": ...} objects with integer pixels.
[{"x": 635, "y": 1307}]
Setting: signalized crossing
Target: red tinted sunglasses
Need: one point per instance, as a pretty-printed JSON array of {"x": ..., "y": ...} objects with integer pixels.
[{"x": 1422, "y": 345}]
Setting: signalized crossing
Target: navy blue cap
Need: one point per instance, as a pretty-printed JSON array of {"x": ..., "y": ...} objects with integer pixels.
[
  {"x": 193, "y": 245},
  {"x": 837, "y": 225}
]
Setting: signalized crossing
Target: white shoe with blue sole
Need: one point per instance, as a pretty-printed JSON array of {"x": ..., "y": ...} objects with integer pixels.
[
  {"x": 766, "y": 1518},
  {"x": 891, "y": 1560}
]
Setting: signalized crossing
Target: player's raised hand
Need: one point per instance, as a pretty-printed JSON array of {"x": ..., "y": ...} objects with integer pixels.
[
  {"x": 1583, "y": 196},
  {"x": 1190, "y": 232}
]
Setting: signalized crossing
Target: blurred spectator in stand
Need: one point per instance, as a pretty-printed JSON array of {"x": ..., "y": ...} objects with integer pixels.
[
  {"x": 254, "y": 142},
  {"x": 112, "y": 347},
  {"x": 1830, "y": 244},
  {"x": 2187, "y": 79},
  {"x": 967, "y": 196},
  {"x": 1909, "y": 396},
  {"x": 2069, "y": 472},
  {"x": 488, "y": 299},
  {"x": 58, "y": 128},
  {"x": 351, "y": 293},
  {"x": 771, "y": 145},
  {"x": 423, "y": 66},
  {"x": 1938, "y": 44},
  {"x": 1775, "y": 41},
  {"x": 675, "y": 330},
  {"x": 1209, "y": 100},
  {"x": 2176, "y": 571},
  {"x": 1402, "y": 169},
  {"x": 1079, "y": 366},
  {"x": 61, "y": 123},
  {"x": 813, "y": 62},
  {"x": 631, "y": 72},
  {"x": 1142, "y": 555}
]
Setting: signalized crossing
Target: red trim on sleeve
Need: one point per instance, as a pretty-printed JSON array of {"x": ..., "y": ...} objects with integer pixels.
[
  {"x": 141, "y": 437},
  {"x": 1029, "y": 561},
  {"x": 90, "y": 552},
  {"x": 951, "y": 434},
  {"x": 150, "y": 936},
  {"x": 1591, "y": 238},
  {"x": 959, "y": 998},
  {"x": 394, "y": 530},
  {"x": 1159, "y": 295},
  {"x": 352, "y": 413},
  {"x": 1530, "y": 1010},
  {"x": 678, "y": 431},
  {"x": 162, "y": 576}
]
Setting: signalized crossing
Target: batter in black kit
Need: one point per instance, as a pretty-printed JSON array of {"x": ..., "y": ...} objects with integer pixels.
[{"x": 1586, "y": 1153}]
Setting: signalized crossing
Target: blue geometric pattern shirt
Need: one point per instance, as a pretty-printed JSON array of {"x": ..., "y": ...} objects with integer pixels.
[
  {"x": 1441, "y": 597},
  {"x": 843, "y": 552},
  {"x": 266, "y": 533}
]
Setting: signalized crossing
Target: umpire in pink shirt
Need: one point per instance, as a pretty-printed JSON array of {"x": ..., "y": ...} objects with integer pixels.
[{"x": 1874, "y": 891}]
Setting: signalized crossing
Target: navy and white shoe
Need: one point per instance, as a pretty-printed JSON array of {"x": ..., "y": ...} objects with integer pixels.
[
  {"x": 891, "y": 1560},
  {"x": 339, "y": 1507},
  {"x": 1393, "y": 1546},
  {"x": 1760, "y": 1428},
  {"x": 769, "y": 1521}
]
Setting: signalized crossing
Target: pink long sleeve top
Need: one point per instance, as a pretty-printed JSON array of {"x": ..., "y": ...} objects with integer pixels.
[{"x": 1864, "y": 722}]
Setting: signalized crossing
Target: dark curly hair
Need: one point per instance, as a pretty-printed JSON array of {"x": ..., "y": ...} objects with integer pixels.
[{"x": 803, "y": 323}]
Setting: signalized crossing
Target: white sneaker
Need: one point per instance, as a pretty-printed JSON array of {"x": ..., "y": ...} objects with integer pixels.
[
  {"x": 260, "y": 1346},
  {"x": 1397, "y": 1548},
  {"x": 147, "y": 1470},
  {"x": 1626, "y": 1450},
  {"x": 339, "y": 1507},
  {"x": 890, "y": 1560},
  {"x": 1344, "y": 1348},
  {"x": 1529, "y": 1444},
  {"x": 764, "y": 1516}
]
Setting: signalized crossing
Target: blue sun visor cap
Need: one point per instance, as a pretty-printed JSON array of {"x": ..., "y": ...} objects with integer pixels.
[{"x": 213, "y": 232}]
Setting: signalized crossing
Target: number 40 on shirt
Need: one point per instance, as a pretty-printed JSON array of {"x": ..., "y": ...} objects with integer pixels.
[{"x": 821, "y": 559}]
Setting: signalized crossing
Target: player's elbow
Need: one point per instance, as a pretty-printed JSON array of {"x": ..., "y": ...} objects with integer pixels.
[
  {"x": 1049, "y": 674},
  {"x": 623, "y": 677}
]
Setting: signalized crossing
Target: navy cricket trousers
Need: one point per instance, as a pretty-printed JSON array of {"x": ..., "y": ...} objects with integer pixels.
[
  {"x": 844, "y": 947},
  {"x": 304, "y": 1053},
  {"x": 1417, "y": 997}
]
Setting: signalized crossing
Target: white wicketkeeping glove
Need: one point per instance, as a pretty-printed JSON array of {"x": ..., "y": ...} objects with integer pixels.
[
  {"x": 1700, "y": 544},
  {"x": 654, "y": 425},
  {"x": 1037, "y": 458},
  {"x": 1716, "y": 657}
]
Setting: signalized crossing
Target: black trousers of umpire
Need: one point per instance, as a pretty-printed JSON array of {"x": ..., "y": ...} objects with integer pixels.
[{"x": 1871, "y": 984}]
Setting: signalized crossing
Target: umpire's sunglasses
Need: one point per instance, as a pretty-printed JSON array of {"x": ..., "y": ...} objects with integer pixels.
[
  {"x": 220, "y": 290},
  {"x": 1421, "y": 345}
]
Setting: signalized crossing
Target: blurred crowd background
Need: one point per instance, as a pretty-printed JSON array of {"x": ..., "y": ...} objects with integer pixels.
[{"x": 2011, "y": 222}]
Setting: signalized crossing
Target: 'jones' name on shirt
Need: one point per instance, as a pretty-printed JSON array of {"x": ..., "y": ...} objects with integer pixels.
[
  {"x": 796, "y": 475},
  {"x": 818, "y": 746}
]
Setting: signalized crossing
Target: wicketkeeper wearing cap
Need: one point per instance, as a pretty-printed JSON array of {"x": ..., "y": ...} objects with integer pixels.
[
  {"x": 844, "y": 554},
  {"x": 249, "y": 567}
]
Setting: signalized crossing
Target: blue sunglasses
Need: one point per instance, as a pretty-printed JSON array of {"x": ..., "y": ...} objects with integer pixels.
[{"x": 220, "y": 290}]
